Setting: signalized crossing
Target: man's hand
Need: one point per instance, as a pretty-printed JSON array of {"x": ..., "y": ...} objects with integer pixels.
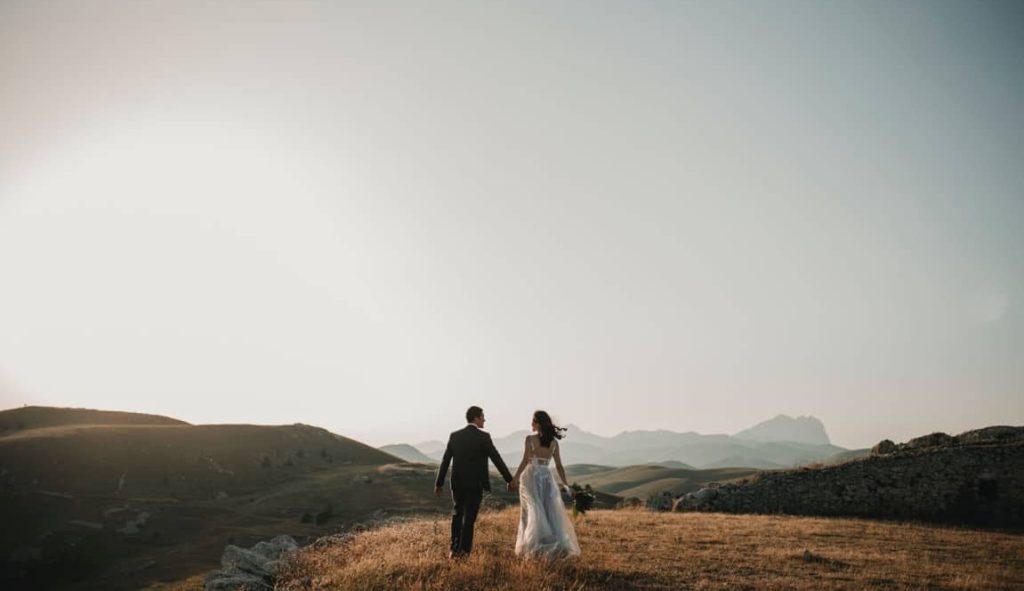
[
  {"x": 437, "y": 491},
  {"x": 511, "y": 486}
]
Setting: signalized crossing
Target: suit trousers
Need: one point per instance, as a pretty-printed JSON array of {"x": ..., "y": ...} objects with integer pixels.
[{"x": 466, "y": 506}]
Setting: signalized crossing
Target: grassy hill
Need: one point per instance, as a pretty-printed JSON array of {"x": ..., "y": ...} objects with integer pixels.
[
  {"x": 34, "y": 417},
  {"x": 642, "y": 481},
  {"x": 123, "y": 505},
  {"x": 624, "y": 550}
]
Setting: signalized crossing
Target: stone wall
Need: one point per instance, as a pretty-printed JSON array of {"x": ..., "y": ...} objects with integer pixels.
[{"x": 976, "y": 477}]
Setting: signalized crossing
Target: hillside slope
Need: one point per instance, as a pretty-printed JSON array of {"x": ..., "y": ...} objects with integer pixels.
[
  {"x": 974, "y": 477},
  {"x": 642, "y": 481},
  {"x": 119, "y": 506},
  {"x": 34, "y": 417}
]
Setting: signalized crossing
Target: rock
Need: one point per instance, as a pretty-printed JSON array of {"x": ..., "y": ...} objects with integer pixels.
[
  {"x": 237, "y": 559},
  {"x": 221, "y": 581},
  {"x": 697, "y": 500},
  {"x": 931, "y": 440},
  {"x": 273, "y": 549},
  {"x": 883, "y": 447},
  {"x": 250, "y": 568}
]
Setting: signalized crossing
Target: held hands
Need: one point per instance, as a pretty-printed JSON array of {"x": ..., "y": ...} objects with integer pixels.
[
  {"x": 512, "y": 486},
  {"x": 437, "y": 491}
]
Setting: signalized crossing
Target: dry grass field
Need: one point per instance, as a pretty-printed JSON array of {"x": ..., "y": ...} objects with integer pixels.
[{"x": 629, "y": 549}]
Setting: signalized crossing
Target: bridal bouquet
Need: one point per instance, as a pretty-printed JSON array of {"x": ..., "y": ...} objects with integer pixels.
[{"x": 582, "y": 499}]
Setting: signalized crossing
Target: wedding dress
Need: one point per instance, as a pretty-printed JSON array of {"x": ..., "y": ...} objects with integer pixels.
[{"x": 545, "y": 528}]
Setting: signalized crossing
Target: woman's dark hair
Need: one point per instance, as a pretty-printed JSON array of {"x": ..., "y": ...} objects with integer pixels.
[{"x": 548, "y": 430}]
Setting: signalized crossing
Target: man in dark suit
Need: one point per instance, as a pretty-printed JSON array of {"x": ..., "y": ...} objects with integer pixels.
[{"x": 467, "y": 452}]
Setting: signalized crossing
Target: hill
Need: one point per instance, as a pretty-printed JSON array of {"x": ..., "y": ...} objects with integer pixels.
[
  {"x": 121, "y": 506},
  {"x": 34, "y": 417},
  {"x": 973, "y": 477},
  {"x": 624, "y": 550},
  {"x": 407, "y": 453},
  {"x": 645, "y": 480}
]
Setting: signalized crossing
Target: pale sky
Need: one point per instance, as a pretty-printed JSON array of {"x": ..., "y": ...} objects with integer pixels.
[{"x": 637, "y": 215}]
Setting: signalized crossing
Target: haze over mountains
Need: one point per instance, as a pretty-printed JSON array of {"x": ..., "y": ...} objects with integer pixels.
[{"x": 780, "y": 442}]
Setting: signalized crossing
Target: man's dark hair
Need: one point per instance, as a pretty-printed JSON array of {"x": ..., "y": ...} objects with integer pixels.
[{"x": 474, "y": 412}]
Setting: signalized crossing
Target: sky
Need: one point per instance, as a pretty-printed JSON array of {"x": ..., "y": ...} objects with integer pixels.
[{"x": 368, "y": 216}]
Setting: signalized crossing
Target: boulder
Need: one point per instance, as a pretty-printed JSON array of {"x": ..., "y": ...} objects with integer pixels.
[
  {"x": 240, "y": 560},
  {"x": 275, "y": 548},
  {"x": 695, "y": 500},
  {"x": 252, "y": 568},
  {"x": 883, "y": 447}
]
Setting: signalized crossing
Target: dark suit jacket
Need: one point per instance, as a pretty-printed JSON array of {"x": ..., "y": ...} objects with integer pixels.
[{"x": 467, "y": 452}]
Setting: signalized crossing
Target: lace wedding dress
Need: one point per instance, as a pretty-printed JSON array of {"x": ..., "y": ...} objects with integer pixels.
[{"x": 545, "y": 528}]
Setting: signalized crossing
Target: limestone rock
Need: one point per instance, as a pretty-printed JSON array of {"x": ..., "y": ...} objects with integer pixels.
[
  {"x": 697, "y": 500},
  {"x": 276, "y": 547},
  {"x": 883, "y": 447},
  {"x": 250, "y": 568},
  {"x": 237, "y": 560}
]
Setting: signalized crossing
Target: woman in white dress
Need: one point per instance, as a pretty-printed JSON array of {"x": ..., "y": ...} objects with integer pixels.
[{"x": 545, "y": 528}]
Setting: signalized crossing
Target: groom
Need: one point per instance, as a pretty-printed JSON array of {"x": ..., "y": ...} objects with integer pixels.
[{"x": 469, "y": 448}]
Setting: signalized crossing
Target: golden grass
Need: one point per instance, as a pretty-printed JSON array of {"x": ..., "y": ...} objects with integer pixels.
[{"x": 640, "y": 550}]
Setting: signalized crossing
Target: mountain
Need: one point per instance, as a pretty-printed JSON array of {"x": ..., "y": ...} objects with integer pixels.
[
  {"x": 786, "y": 428},
  {"x": 431, "y": 447},
  {"x": 407, "y": 453},
  {"x": 782, "y": 442}
]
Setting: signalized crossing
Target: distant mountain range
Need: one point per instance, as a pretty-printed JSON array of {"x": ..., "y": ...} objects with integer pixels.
[
  {"x": 785, "y": 428},
  {"x": 781, "y": 442},
  {"x": 408, "y": 453}
]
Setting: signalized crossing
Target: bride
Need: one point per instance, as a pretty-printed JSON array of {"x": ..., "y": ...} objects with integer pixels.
[{"x": 544, "y": 525}]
